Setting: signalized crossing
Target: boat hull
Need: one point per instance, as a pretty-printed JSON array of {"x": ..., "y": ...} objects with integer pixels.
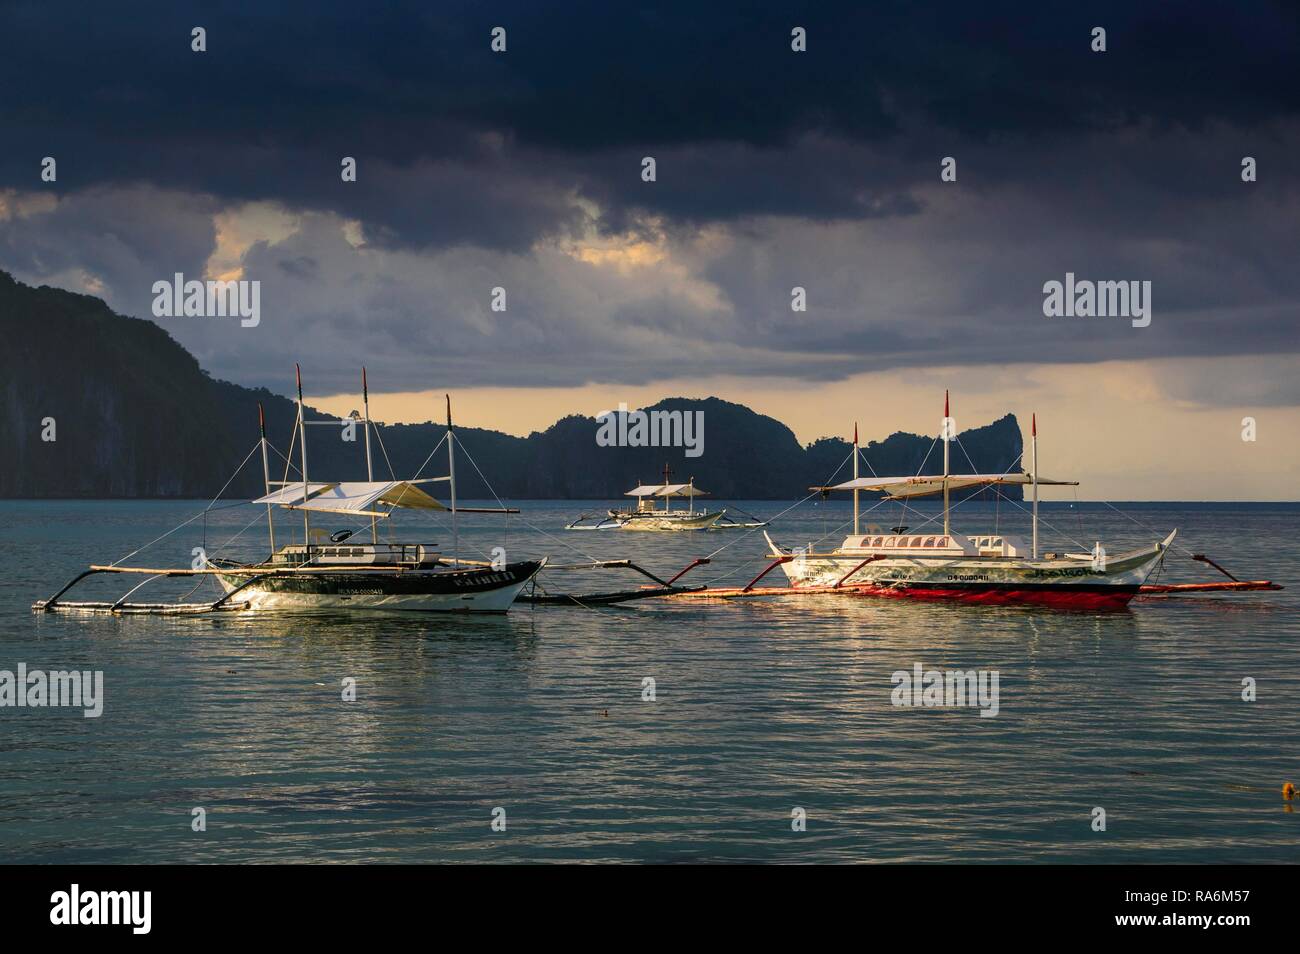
[
  {"x": 669, "y": 524},
  {"x": 983, "y": 580},
  {"x": 461, "y": 591}
]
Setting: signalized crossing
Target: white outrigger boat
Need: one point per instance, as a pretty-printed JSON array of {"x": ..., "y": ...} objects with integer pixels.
[
  {"x": 647, "y": 517},
  {"x": 340, "y": 574},
  {"x": 976, "y": 568}
]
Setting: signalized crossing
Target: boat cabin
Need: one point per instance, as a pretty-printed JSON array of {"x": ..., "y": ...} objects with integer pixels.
[
  {"x": 933, "y": 544},
  {"x": 346, "y": 554},
  {"x": 1000, "y": 546}
]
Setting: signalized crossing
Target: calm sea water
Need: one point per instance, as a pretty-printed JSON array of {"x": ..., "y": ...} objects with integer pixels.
[{"x": 761, "y": 707}]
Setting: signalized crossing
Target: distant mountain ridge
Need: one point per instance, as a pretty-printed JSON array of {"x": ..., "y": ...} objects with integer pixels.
[{"x": 136, "y": 416}]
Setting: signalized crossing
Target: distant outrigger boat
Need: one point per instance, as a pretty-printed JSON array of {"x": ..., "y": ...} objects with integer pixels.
[
  {"x": 979, "y": 568},
  {"x": 341, "y": 575},
  {"x": 646, "y": 517}
]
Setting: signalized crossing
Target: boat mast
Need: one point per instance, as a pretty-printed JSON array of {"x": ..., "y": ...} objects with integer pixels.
[
  {"x": 668, "y": 501},
  {"x": 691, "y": 508},
  {"x": 947, "y": 428},
  {"x": 1033, "y": 439},
  {"x": 266, "y": 475},
  {"x": 855, "y": 477},
  {"x": 451, "y": 474},
  {"x": 370, "y": 476},
  {"x": 306, "y": 487}
]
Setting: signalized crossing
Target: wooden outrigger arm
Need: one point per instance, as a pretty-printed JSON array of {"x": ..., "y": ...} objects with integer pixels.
[
  {"x": 871, "y": 559},
  {"x": 701, "y": 561},
  {"x": 768, "y": 569},
  {"x": 669, "y": 587},
  {"x": 1202, "y": 558},
  {"x": 48, "y": 605}
]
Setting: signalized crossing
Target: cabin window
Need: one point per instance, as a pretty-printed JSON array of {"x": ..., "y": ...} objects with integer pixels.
[
  {"x": 929, "y": 541},
  {"x": 943, "y": 541},
  {"x": 878, "y": 542}
]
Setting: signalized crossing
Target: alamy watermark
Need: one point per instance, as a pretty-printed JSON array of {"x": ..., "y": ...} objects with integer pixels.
[
  {"x": 75, "y": 906},
  {"x": 1088, "y": 299},
  {"x": 624, "y": 428},
  {"x": 37, "y": 689},
  {"x": 210, "y": 299},
  {"x": 934, "y": 688}
]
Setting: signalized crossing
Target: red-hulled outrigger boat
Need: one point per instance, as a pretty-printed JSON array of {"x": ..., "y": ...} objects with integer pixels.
[{"x": 994, "y": 569}]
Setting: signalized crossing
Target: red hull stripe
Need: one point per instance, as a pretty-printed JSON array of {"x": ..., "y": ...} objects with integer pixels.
[{"x": 1072, "y": 597}]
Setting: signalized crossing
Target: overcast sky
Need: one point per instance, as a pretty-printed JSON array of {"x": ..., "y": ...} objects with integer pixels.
[{"x": 820, "y": 169}]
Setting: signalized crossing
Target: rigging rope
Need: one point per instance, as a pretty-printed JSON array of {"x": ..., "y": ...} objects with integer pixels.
[
  {"x": 493, "y": 492},
  {"x": 202, "y": 513},
  {"x": 1077, "y": 513},
  {"x": 1145, "y": 527},
  {"x": 786, "y": 510}
]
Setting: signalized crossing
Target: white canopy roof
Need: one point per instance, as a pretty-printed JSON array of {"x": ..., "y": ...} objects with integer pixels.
[
  {"x": 666, "y": 490},
  {"x": 290, "y": 494},
  {"x": 352, "y": 496},
  {"x": 900, "y": 487}
]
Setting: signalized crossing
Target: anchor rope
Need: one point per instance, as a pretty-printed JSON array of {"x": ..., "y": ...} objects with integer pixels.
[{"x": 256, "y": 519}]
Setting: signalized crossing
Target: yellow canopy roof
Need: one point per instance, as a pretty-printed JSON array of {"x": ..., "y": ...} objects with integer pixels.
[{"x": 351, "y": 496}]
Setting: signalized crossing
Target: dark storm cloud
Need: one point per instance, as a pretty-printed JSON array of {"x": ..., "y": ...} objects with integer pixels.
[
  {"x": 817, "y": 169},
  {"x": 458, "y": 144}
]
